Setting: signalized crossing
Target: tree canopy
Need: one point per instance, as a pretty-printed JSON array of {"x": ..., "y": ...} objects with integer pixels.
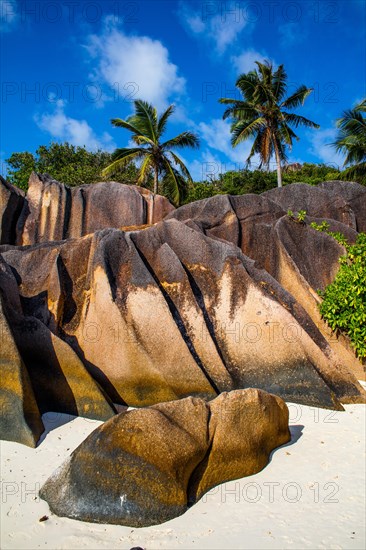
[
  {"x": 64, "y": 162},
  {"x": 155, "y": 156}
]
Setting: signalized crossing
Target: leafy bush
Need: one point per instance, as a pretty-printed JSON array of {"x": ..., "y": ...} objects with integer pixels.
[
  {"x": 324, "y": 227},
  {"x": 240, "y": 182},
  {"x": 344, "y": 300}
]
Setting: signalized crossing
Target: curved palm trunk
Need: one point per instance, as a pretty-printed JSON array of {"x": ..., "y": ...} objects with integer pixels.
[{"x": 278, "y": 160}]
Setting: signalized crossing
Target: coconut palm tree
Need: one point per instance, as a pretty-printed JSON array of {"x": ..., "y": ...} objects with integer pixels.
[
  {"x": 156, "y": 158},
  {"x": 351, "y": 140},
  {"x": 264, "y": 115}
]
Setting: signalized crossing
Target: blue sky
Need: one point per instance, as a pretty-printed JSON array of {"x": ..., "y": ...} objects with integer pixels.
[{"x": 68, "y": 67}]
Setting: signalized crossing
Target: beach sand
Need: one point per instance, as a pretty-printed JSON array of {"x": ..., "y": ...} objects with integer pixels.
[{"x": 311, "y": 495}]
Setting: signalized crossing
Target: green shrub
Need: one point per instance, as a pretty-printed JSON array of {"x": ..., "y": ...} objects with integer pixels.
[{"x": 344, "y": 300}]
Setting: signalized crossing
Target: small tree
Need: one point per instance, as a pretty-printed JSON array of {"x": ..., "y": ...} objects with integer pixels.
[{"x": 170, "y": 174}]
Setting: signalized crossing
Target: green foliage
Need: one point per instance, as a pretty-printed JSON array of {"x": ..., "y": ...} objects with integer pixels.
[
  {"x": 344, "y": 301},
  {"x": 351, "y": 140},
  {"x": 64, "y": 162},
  {"x": 299, "y": 217},
  {"x": 240, "y": 182},
  {"x": 264, "y": 113},
  {"x": 157, "y": 159},
  {"x": 21, "y": 166},
  {"x": 233, "y": 182},
  {"x": 324, "y": 227}
]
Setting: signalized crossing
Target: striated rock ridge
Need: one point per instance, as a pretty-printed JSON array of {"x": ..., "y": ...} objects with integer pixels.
[
  {"x": 149, "y": 316},
  {"x": 52, "y": 211},
  {"x": 147, "y": 466},
  {"x": 221, "y": 295},
  {"x": 300, "y": 258}
]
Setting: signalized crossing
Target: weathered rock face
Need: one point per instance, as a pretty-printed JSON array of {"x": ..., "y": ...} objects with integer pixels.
[
  {"x": 11, "y": 204},
  {"x": 329, "y": 200},
  {"x": 184, "y": 307},
  {"x": 300, "y": 258},
  {"x": 53, "y": 212},
  {"x": 148, "y": 466},
  {"x": 163, "y": 313},
  {"x": 354, "y": 196},
  {"x": 39, "y": 371}
]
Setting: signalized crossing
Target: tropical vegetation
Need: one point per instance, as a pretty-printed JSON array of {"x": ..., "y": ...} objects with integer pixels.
[
  {"x": 264, "y": 114},
  {"x": 64, "y": 162},
  {"x": 344, "y": 300},
  {"x": 351, "y": 140},
  {"x": 156, "y": 157}
]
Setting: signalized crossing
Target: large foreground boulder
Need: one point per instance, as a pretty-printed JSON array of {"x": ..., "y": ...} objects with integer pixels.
[
  {"x": 147, "y": 466},
  {"x": 53, "y": 211}
]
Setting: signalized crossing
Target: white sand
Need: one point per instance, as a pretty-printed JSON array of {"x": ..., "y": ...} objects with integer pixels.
[{"x": 311, "y": 495}]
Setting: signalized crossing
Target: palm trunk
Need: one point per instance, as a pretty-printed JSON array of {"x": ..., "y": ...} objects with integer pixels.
[
  {"x": 278, "y": 160},
  {"x": 156, "y": 180}
]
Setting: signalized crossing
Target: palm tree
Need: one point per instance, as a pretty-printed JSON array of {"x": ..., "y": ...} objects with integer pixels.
[
  {"x": 351, "y": 140},
  {"x": 169, "y": 172},
  {"x": 264, "y": 114}
]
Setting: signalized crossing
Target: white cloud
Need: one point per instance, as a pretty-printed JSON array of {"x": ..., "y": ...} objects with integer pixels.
[
  {"x": 220, "y": 22},
  {"x": 320, "y": 147},
  {"x": 8, "y": 14},
  {"x": 138, "y": 66},
  {"x": 245, "y": 62},
  {"x": 217, "y": 136},
  {"x": 77, "y": 132}
]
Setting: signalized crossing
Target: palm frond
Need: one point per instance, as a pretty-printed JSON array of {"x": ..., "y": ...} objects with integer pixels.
[
  {"x": 297, "y": 120},
  {"x": 122, "y": 157},
  {"x": 145, "y": 168},
  {"x": 356, "y": 171},
  {"x": 352, "y": 122},
  {"x": 147, "y": 117},
  {"x": 240, "y": 110},
  {"x": 173, "y": 183},
  {"x": 120, "y": 123},
  {"x": 242, "y": 129},
  {"x": 183, "y": 168},
  {"x": 287, "y": 134},
  {"x": 185, "y": 139},
  {"x": 279, "y": 83},
  {"x": 163, "y": 119},
  {"x": 297, "y": 98}
]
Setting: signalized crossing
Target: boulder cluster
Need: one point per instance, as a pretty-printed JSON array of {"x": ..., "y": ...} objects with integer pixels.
[{"x": 109, "y": 295}]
